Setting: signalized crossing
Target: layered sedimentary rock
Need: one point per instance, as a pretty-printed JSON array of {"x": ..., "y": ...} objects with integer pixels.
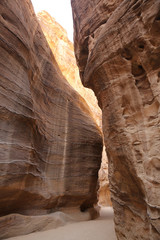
[
  {"x": 117, "y": 50},
  {"x": 50, "y": 145},
  {"x": 63, "y": 51}
]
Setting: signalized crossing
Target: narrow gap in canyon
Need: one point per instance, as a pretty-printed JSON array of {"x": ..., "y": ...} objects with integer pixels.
[
  {"x": 50, "y": 125},
  {"x": 51, "y": 131},
  {"x": 63, "y": 51},
  {"x": 51, "y": 128}
]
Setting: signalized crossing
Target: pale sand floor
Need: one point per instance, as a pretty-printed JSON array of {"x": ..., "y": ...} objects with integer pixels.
[{"x": 99, "y": 229}]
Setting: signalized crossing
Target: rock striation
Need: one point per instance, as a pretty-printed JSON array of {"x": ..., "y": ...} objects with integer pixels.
[
  {"x": 117, "y": 51},
  {"x": 63, "y": 52},
  {"x": 50, "y": 145}
]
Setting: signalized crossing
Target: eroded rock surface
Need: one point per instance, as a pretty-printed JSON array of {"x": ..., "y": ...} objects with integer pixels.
[
  {"x": 117, "y": 50},
  {"x": 63, "y": 51},
  {"x": 50, "y": 145}
]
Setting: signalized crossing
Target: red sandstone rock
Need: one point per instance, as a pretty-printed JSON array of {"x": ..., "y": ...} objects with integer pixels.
[
  {"x": 50, "y": 145},
  {"x": 117, "y": 50}
]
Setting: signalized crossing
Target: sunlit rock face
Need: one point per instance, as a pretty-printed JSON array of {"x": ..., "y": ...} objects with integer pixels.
[
  {"x": 60, "y": 45},
  {"x": 50, "y": 145},
  {"x": 117, "y": 50},
  {"x": 63, "y": 51}
]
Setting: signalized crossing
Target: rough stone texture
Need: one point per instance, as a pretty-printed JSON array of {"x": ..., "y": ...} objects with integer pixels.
[
  {"x": 63, "y": 51},
  {"x": 50, "y": 145},
  {"x": 117, "y": 46}
]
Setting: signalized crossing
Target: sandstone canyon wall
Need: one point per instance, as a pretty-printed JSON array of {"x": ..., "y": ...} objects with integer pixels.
[
  {"x": 50, "y": 145},
  {"x": 63, "y": 51},
  {"x": 117, "y": 46}
]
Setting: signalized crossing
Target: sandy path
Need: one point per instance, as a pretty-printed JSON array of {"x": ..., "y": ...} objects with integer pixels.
[{"x": 100, "y": 229}]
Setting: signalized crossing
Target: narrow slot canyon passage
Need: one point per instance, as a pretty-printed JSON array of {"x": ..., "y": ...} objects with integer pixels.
[
  {"x": 56, "y": 96},
  {"x": 63, "y": 51},
  {"x": 52, "y": 135}
]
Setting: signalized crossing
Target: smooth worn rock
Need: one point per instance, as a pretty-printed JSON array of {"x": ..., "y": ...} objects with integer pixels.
[
  {"x": 117, "y": 50},
  {"x": 63, "y": 52},
  {"x": 50, "y": 145},
  {"x": 14, "y": 225}
]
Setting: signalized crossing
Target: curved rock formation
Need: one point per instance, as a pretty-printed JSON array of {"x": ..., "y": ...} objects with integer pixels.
[
  {"x": 50, "y": 145},
  {"x": 63, "y": 51},
  {"x": 117, "y": 50}
]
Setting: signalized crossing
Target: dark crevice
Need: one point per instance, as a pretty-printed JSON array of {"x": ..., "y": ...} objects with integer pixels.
[
  {"x": 141, "y": 45},
  {"x": 126, "y": 54},
  {"x": 158, "y": 80},
  {"x": 103, "y": 22},
  {"x": 142, "y": 83},
  {"x": 158, "y": 17},
  {"x": 83, "y": 208},
  {"x": 84, "y": 57},
  {"x": 92, "y": 35},
  {"x": 155, "y": 230},
  {"x": 4, "y": 16},
  {"x": 137, "y": 5},
  {"x": 137, "y": 70}
]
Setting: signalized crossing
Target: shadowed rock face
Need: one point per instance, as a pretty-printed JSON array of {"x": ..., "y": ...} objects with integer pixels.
[
  {"x": 50, "y": 145},
  {"x": 63, "y": 52},
  {"x": 117, "y": 50}
]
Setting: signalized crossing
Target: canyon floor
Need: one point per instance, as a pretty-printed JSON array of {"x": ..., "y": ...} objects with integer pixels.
[{"x": 101, "y": 228}]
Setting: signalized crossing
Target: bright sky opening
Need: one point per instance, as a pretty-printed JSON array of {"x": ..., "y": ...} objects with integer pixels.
[{"x": 60, "y": 10}]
